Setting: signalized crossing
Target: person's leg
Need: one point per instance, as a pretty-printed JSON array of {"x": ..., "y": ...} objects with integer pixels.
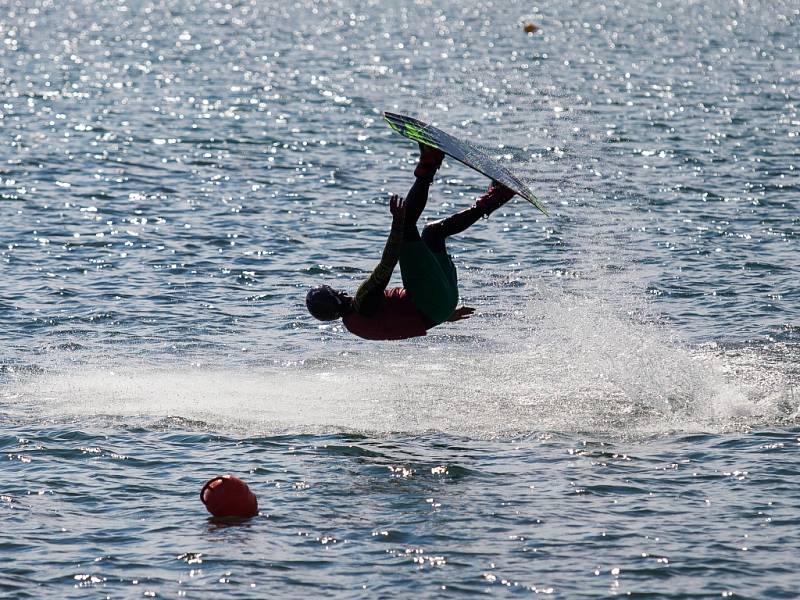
[
  {"x": 430, "y": 160},
  {"x": 435, "y": 234},
  {"x": 416, "y": 199}
]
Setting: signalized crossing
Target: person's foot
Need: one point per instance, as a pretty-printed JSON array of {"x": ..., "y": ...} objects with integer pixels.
[
  {"x": 494, "y": 198},
  {"x": 430, "y": 159}
]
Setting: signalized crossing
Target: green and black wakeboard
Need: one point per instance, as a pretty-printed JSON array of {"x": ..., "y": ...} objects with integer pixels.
[{"x": 462, "y": 151}]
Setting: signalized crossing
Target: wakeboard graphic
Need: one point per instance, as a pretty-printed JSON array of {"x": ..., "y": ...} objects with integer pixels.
[{"x": 462, "y": 151}]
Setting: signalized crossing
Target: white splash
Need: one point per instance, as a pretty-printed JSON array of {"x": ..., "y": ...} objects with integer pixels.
[{"x": 563, "y": 362}]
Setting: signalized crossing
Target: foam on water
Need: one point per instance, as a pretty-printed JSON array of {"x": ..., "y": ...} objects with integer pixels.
[{"x": 561, "y": 362}]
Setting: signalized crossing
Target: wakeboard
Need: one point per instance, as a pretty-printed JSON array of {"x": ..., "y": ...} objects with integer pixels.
[{"x": 462, "y": 151}]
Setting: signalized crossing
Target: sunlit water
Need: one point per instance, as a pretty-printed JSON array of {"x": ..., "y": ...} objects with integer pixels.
[{"x": 620, "y": 415}]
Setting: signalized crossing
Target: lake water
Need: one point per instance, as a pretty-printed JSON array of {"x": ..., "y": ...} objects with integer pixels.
[{"x": 620, "y": 416}]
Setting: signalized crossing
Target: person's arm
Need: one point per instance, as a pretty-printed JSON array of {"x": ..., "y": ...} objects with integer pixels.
[{"x": 370, "y": 292}]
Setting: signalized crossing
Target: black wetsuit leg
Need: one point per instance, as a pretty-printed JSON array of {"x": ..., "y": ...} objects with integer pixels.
[
  {"x": 437, "y": 232},
  {"x": 416, "y": 200}
]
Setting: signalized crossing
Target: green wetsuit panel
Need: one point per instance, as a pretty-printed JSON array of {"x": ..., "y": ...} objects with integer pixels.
[{"x": 431, "y": 280}]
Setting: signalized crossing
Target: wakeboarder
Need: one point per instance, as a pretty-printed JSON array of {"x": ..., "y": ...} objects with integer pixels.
[{"x": 429, "y": 295}]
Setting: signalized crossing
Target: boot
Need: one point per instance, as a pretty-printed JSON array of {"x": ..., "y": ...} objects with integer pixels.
[
  {"x": 494, "y": 198},
  {"x": 430, "y": 159}
]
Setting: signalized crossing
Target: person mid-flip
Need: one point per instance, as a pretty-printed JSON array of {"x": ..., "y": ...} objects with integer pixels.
[{"x": 429, "y": 295}]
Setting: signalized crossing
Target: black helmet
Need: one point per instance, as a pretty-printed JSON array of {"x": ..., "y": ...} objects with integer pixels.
[{"x": 324, "y": 303}]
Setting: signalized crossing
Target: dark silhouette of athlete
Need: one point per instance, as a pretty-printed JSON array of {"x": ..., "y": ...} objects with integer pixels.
[{"x": 429, "y": 295}]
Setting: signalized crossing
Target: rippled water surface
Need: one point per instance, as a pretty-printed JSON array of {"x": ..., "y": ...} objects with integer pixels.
[{"x": 619, "y": 416}]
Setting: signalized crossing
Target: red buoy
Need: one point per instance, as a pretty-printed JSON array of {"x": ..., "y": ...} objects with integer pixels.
[{"x": 229, "y": 496}]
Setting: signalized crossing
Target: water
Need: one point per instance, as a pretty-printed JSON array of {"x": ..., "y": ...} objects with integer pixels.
[{"x": 620, "y": 415}]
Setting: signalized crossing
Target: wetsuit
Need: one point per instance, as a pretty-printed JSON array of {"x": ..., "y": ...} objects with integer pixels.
[
  {"x": 430, "y": 292},
  {"x": 429, "y": 295}
]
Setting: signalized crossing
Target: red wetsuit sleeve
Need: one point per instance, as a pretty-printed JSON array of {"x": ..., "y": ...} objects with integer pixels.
[{"x": 370, "y": 292}]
